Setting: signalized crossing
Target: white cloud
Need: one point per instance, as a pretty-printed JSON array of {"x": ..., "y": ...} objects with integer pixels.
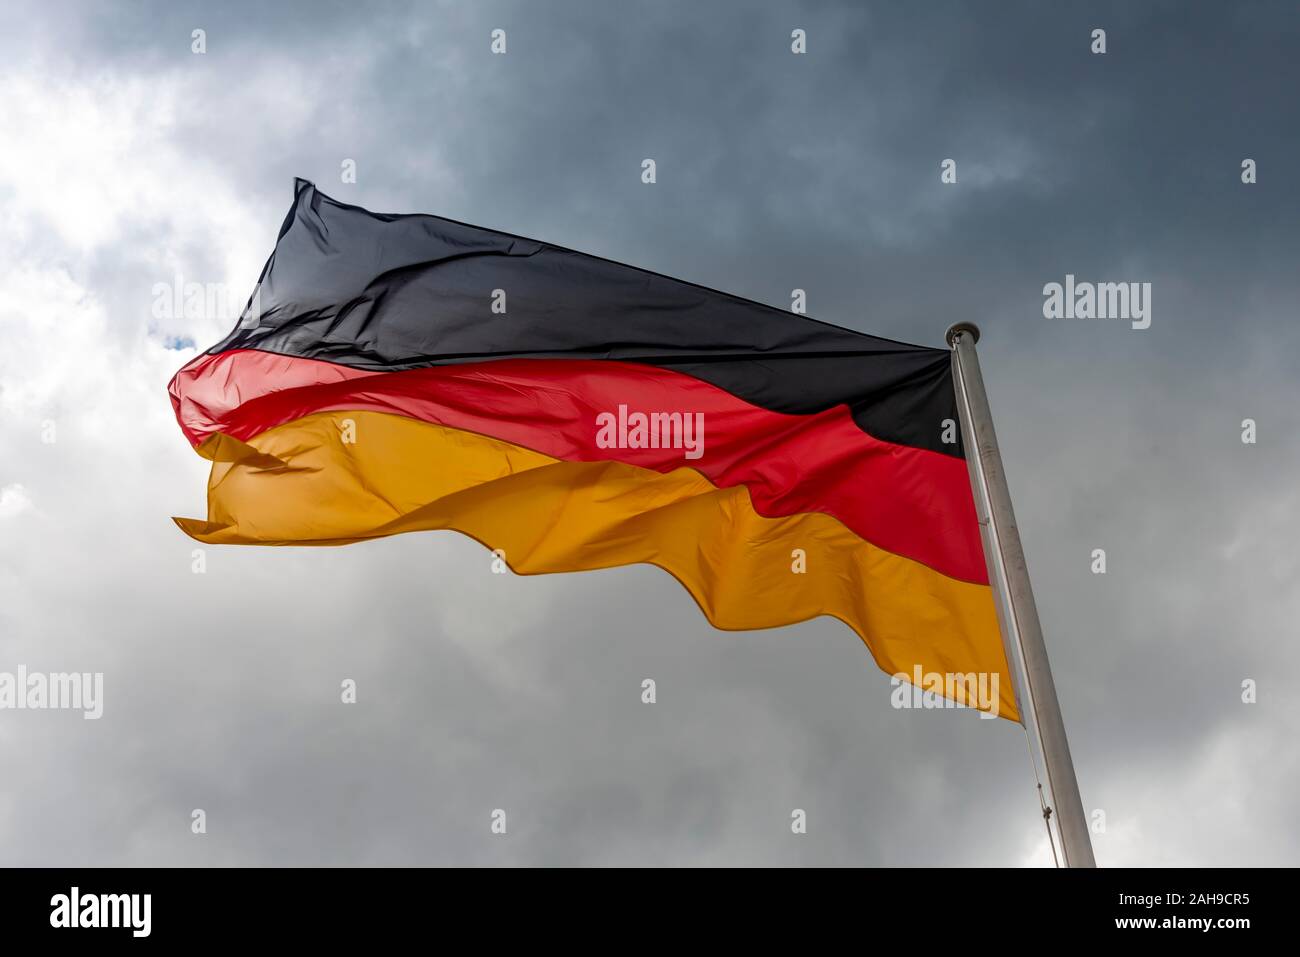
[{"x": 13, "y": 500}]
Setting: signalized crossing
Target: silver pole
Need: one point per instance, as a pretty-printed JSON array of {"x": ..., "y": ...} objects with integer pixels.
[{"x": 1017, "y": 610}]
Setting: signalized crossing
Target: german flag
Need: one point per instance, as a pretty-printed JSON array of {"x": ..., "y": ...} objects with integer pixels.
[{"x": 394, "y": 373}]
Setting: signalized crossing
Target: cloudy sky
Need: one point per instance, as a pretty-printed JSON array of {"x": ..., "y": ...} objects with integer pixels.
[{"x": 128, "y": 160}]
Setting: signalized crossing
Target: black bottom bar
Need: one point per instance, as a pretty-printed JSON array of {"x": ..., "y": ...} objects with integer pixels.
[{"x": 994, "y": 908}]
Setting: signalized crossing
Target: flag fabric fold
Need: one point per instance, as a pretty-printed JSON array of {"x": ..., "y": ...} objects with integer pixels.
[{"x": 396, "y": 373}]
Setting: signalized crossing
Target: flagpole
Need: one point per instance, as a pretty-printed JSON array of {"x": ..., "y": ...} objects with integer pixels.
[{"x": 1016, "y": 608}]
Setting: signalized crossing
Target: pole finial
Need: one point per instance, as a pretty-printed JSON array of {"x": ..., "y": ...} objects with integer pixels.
[{"x": 958, "y": 328}]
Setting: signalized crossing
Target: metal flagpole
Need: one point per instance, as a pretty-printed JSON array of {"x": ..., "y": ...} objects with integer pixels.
[{"x": 1016, "y": 608}]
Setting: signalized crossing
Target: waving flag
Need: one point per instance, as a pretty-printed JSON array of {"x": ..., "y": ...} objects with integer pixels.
[{"x": 402, "y": 372}]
